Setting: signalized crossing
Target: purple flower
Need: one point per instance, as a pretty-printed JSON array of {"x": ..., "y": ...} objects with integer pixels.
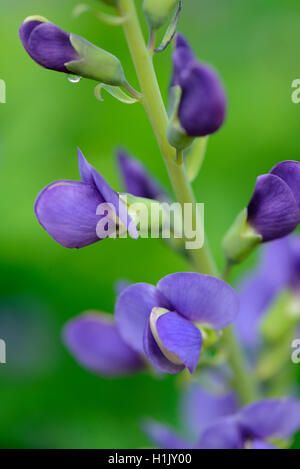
[
  {"x": 279, "y": 269},
  {"x": 254, "y": 425},
  {"x": 274, "y": 210},
  {"x": 213, "y": 421},
  {"x": 77, "y": 214},
  {"x": 120, "y": 285},
  {"x": 163, "y": 321},
  {"x": 58, "y": 50},
  {"x": 202, "y": 106},
  {"x": 94, "y": 340},
  {"x": 170, "y": 340},
  {"x": 137, "y": 180},
  {"x": 199, "y": 409}
]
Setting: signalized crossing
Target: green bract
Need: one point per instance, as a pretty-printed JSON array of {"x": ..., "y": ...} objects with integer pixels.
[
  {"x": 95, "y": 63},
  {"x": 176, "y": 134},
  {"x": 240, "y": 240},
  {"x": 147, "y": 214},
  {"x": 157, "y": 12}
]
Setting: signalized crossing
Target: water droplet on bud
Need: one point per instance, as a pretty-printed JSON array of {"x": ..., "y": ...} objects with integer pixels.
[{"x": 73, "y": 78}]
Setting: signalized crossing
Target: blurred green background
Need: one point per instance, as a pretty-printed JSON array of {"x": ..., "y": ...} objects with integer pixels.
[{"x": 46, "y": 399}]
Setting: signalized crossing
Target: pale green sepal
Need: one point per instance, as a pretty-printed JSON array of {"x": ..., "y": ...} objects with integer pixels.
[
  {"x": 177, "y": 136},
  {"x": 151, "y": 217},
  {"x": 157, "y": 12},
  {"x": 160, "y": 219},
  {"x": 171, "y": 31},
  {"x": 147, "y": 215},
  {"x": 114, "y": 91},
  {"x": 209, "y": 336},
  {"x": 106, "y": 18},
  {"x": 195, "y": 157},
  {"x": 282, "y": 317},
  {"x": 96, "y": 63},
  {"x": 241, "y": 239},
  {"x": 156, "y": 313}
]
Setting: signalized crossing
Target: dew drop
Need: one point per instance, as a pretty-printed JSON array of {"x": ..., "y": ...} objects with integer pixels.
[{"x": 73, "y": 78}]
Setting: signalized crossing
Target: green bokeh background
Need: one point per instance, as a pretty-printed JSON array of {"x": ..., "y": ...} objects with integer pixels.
[{"x": 46, "y": 399}]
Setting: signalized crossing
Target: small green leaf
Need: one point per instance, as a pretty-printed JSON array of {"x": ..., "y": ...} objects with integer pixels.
[
  {"x": 171, "y": 31},
  {"x": 114, "y": 91}
]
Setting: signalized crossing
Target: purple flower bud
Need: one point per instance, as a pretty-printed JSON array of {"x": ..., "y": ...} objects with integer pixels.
[
  {"x": 202, "y": 106},
  {"x": 274, "y": 209},
  {"x": 58, "y": 50},
  {"x": 47, "y": 44},
  {"x": 137, "y": 179},
  {"x": 183, "y": 57},
  {"x": 69, "y": 210}
]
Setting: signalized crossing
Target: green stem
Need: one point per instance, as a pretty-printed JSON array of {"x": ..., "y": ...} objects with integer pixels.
[
  {"x": 155, "y": 108},
  {"x": 156, "y": 111}
]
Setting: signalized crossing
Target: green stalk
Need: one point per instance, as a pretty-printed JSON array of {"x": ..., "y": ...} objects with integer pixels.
[{"x": 155, "y": 108}]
